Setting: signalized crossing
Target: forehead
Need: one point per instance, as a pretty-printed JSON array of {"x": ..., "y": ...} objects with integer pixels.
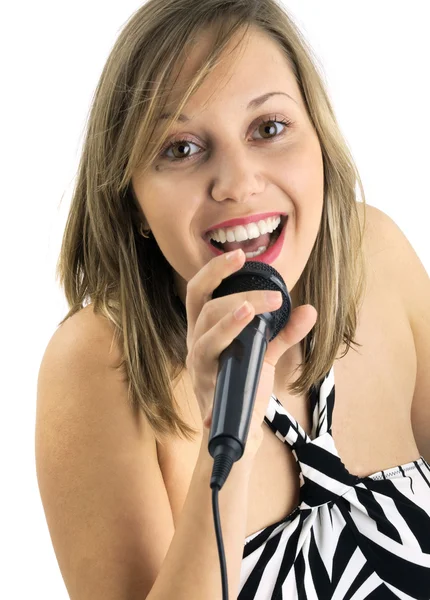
[{"x": 251, "y": 65}]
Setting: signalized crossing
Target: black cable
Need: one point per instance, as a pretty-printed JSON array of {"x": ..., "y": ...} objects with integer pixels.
[
  {"x": 221, "y": 469},
  {"x": 221, "y": 553}
]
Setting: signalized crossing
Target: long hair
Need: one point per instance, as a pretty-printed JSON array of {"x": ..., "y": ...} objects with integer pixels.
[{"x": 104, "y": 260}]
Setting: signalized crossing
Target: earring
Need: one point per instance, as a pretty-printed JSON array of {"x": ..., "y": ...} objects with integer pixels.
[{"x": 144, "y": 232}]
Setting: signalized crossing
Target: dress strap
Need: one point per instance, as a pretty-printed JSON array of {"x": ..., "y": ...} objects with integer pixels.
[
  {"x": 283, "y": 424},
  {"x": 321, "y": 404}
]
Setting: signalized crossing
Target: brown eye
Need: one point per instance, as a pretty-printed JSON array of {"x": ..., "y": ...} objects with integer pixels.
[
  {"x": 268, "y": 129},
  {"x": 180, "y": 150}
]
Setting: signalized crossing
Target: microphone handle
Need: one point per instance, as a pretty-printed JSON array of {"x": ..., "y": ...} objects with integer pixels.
[{"x": 238, "y": 376}]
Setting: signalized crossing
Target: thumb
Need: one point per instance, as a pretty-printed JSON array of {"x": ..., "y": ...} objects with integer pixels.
[{"x": 301, "y": 321}]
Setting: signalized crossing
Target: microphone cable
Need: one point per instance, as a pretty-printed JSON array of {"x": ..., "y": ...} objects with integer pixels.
[{"x": 221, "y": 469}]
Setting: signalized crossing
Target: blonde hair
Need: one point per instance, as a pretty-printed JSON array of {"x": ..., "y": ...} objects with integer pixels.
[{"x": 104, "y": 259}]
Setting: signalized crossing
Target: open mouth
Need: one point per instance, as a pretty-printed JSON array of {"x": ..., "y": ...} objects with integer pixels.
[{"x": 252, "y": 242}]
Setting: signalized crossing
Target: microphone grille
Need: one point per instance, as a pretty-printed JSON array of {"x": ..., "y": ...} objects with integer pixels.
[{"x": 255, "y": 275}]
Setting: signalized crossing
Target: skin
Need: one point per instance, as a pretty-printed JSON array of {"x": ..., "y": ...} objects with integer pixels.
[{"x": 237, "y": 168}]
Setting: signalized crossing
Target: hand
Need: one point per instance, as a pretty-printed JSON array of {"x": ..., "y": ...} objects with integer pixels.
[{"x": 212, "y": 326}]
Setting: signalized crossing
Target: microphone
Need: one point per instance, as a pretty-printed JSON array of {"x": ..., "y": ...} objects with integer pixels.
[{"x": 240, "y": 366}]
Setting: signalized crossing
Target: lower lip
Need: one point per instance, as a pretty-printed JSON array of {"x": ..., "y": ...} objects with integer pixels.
[{"x": 269, "y": 256}]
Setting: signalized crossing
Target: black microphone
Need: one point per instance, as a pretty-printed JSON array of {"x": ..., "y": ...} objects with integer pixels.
[{"x": 240, "y": 366}]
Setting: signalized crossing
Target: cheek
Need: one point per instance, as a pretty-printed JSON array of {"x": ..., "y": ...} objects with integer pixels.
[
  {"x": 299, "y": 171},
  {"x": 161, "y": 204},
  {"x": 170, "y": 211}
]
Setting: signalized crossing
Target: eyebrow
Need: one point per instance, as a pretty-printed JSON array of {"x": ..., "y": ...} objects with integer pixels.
[{"x": 255, "y": 103}]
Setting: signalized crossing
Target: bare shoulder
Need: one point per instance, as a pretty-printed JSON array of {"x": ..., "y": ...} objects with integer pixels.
[
  {"x": 86, "y": 348},
  {"x": 380, "y": 231},
  {"x": 393, "y": 260},
  {"x": 91, "y": 333},
  {"x": 387, "y": 246},
  {"x": 100, "y": 482}
]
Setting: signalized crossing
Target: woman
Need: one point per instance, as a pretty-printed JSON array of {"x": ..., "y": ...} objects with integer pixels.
[{"x": 205, "y": 113}]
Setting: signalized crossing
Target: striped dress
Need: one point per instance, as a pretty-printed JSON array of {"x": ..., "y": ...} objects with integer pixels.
[{"x": 350, "y": 538}]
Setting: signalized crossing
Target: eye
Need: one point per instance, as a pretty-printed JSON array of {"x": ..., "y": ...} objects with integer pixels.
[
  {"x": 180, "y": 146},
  {"x": 269, "y": 126}
]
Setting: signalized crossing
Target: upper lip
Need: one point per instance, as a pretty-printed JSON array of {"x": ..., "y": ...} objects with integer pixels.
[{"x": 243, "y": 221}]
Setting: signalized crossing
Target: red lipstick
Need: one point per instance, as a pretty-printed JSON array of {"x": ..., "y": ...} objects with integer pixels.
[{"x": 270, "y": 255}]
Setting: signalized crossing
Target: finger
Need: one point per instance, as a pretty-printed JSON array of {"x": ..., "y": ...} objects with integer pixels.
[
  {"x": 302, "y": 320},
  {"x": 215, "y": 309},
  {"x": 203, "y": 359},
  {"x": 205, "y": 281},
  {"x": 204, "y": 354}
]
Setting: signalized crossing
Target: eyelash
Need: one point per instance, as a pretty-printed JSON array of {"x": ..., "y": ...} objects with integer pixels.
[{"x": 171, "y": 143}]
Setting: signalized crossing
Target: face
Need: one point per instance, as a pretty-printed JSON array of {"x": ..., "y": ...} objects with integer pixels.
[{"x": 231, "y": 167}]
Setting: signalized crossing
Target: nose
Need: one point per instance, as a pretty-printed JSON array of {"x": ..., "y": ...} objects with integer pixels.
[{"x": 237, "y": 176}]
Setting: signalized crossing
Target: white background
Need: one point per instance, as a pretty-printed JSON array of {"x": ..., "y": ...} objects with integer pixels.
[{"x": 375, "y": 58}]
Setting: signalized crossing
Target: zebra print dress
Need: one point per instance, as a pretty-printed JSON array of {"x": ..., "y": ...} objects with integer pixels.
[{"x": 350, "y": 538}]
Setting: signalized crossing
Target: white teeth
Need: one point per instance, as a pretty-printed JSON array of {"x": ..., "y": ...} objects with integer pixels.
[
  {"x": 260, "y": 250},
  {"x": 230, "y": 235},
  {"x": 245, "y": 232}
]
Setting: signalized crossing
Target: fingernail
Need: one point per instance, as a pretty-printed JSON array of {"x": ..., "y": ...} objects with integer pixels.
[
  {"x": 243, "y": 311},
  {"x": 234, "y": 254}
]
